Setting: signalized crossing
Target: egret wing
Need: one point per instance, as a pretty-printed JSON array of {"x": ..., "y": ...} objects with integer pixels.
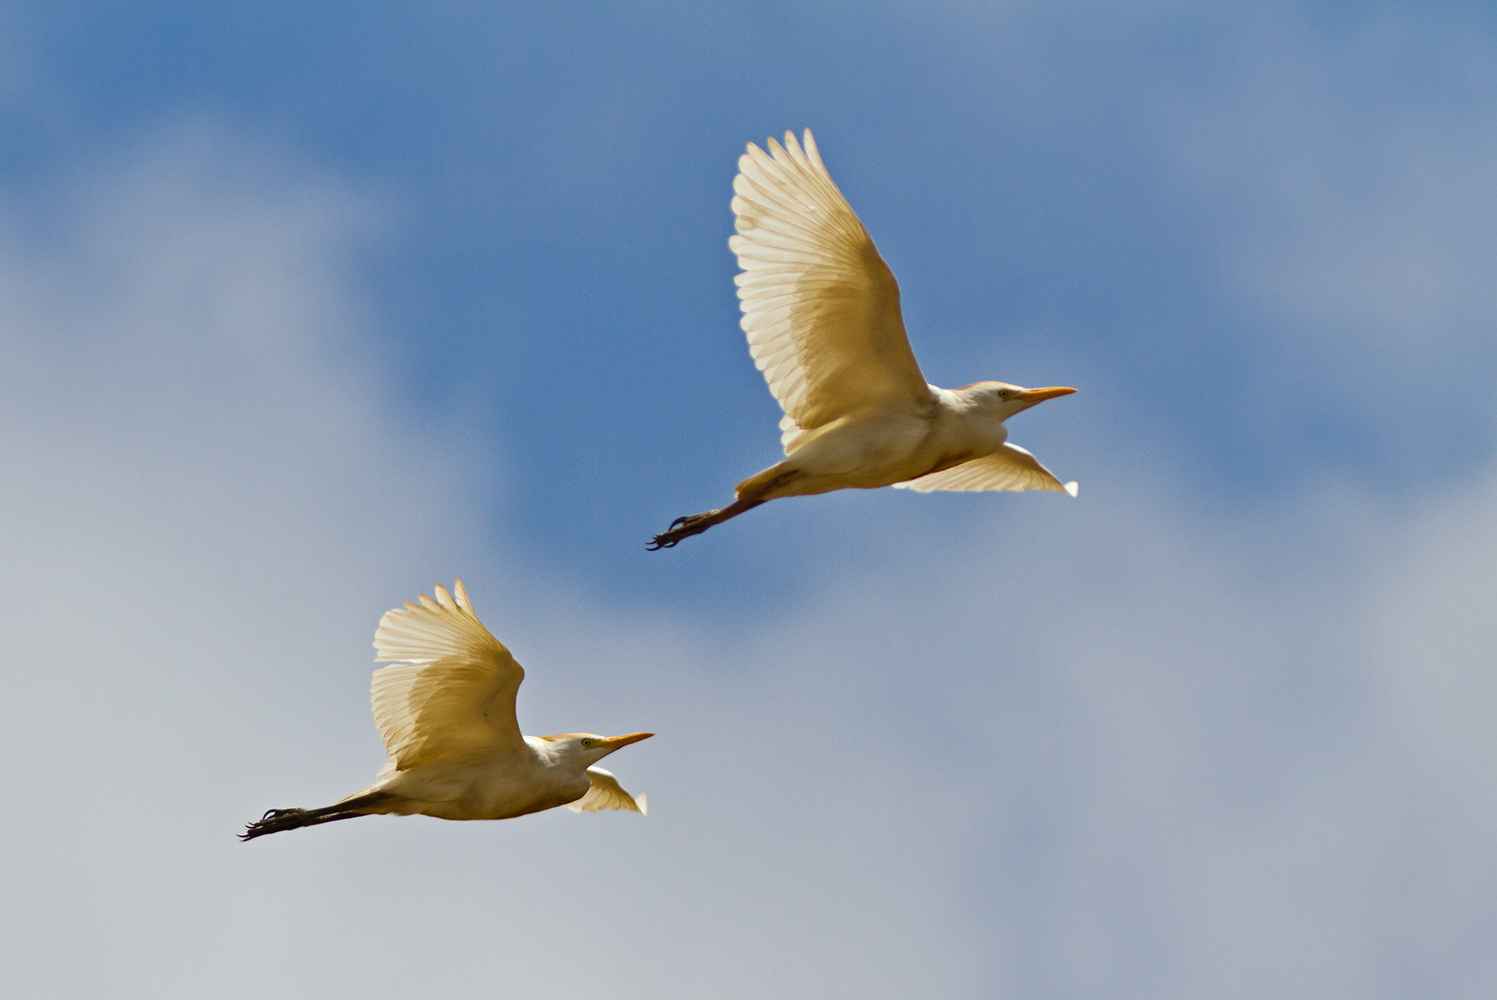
[
  {"x": 607, "y": 793},
  {"x": 1009, "y": 468},
  {"x": 820, "y": 306},
  {"x": 451, "y": 695}
]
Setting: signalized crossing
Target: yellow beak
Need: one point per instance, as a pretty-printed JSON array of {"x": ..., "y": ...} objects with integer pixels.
[
  {"x": 614, "y": 742},
  {"x": 1032, "y": 396}
]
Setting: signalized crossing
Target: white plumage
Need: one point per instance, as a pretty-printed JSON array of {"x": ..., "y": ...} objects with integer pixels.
[
  {"x": 607, "y": 793},
  {"x": 820, "y": 306},
  {"x": 446, "y": 713},
  {"x": 822, "y": 317},
  {"x": 453, "y": 696},
  {"x": 1009, "y": 468}
]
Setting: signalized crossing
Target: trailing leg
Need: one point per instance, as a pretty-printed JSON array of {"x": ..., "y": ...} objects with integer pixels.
[
  {"x": 756, "y": 489},
  {"x": 276, "y": 820},
  {"x": 695, "y": 524}
]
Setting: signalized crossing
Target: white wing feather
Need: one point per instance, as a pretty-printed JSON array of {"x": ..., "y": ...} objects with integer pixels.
[
  {"x": 607, "y": 793},
  {"x": 452, "y": 696},
  {"x": 1011, "y": 468},
  {"x": 820, "y": 306}
]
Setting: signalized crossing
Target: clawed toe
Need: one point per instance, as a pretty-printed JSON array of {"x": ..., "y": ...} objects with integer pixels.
[
  {"x": 663, "y": 541},
  {"x": 271, "y": 814},
  {"x": 682, "y": 527},
  {"x": 269, "y": 823}
]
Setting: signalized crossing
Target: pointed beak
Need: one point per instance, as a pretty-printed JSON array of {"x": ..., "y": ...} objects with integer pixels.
[
  {"x": 614, "y": 742},
  {"x": 1032, "y": 396}
]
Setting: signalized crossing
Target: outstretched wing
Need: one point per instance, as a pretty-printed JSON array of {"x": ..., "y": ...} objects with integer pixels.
[
  {"x": 451, "y": 696},
  {"x": 607, "y": 793},
  {"x": 820, "y": 306},
  {"x": 1010, "y": 468}
]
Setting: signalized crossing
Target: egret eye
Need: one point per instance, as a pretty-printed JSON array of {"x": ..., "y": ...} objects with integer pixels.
[
  {"x": 1004, "y": 393},
  {"x": 589, "y": 742}
]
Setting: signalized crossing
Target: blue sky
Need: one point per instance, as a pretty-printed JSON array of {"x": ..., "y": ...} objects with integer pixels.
[
  {"x": 303, "y": 312},
  {"x": 1047, "y": 185}
]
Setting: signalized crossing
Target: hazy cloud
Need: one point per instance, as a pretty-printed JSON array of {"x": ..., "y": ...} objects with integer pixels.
[{"x": 1133, "y": 745}]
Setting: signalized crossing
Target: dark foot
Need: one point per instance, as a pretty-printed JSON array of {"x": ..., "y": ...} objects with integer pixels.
[
  {"x": 683, "y": 527},
  {"x": 273, "y": 821}
]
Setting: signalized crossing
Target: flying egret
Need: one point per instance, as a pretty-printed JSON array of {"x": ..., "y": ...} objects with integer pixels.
[
  {"x": 821, "y": 310},
  {"x": 445, "y": 708}
]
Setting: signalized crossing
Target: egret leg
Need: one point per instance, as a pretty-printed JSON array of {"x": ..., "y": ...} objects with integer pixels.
[
  {"x": 276, "y": 820},
  {"x": 695, "y": 524}
]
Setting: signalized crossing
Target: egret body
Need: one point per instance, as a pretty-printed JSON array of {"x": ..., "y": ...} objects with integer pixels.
[
  {"x": 821, "y": 311},
  {"x": 445, "y": 709}
]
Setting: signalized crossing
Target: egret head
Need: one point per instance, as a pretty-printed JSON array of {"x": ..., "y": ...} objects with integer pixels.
[
  {"x": 1003, "y": 400},
  {"x": 588, "y": 747}
]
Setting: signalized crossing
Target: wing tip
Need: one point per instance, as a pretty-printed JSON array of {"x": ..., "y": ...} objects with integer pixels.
[
  {"x": 643, "y": 802},
  {"x": 1072, "y": 487},
  {"x": 461, "y": 593}
]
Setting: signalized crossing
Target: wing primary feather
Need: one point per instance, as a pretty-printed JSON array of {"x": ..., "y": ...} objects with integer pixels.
[
  {"x": 813, "y": 154},
  {"x": 450, "y": 686},
  {"x": 605, "y": 792},
  {"x": 820, "y": 307},
  {"x": 1010, "y": 468}
]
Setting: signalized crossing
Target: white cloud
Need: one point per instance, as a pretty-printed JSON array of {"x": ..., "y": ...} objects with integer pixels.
[
  {"x": 1113, "y": 747},
  {"x": 201, "y": 484},
  {"x": 1191, "y": 759}
]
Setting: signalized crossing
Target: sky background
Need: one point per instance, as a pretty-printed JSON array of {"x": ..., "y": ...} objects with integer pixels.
[{"x": 304, "y": 309}]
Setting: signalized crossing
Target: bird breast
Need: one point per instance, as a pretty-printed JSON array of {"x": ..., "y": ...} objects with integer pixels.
[
  {"x": 864, "y": 443},
  {"x": 499, "y": 788},
  {"x": 547, "y": 787},
  {"x": 892, "y": 445},
  {"x": 961, "y": 427}
]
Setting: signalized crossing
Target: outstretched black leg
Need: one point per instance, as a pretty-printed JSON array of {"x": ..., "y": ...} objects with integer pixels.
[
  {"x": 695, "y": 524},
  {"x": 276, "y": 820}
]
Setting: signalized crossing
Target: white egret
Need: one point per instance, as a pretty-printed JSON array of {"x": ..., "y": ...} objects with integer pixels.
[
  {"x": 821, "y": 311},
  {"x": 445, "y": 709}
]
